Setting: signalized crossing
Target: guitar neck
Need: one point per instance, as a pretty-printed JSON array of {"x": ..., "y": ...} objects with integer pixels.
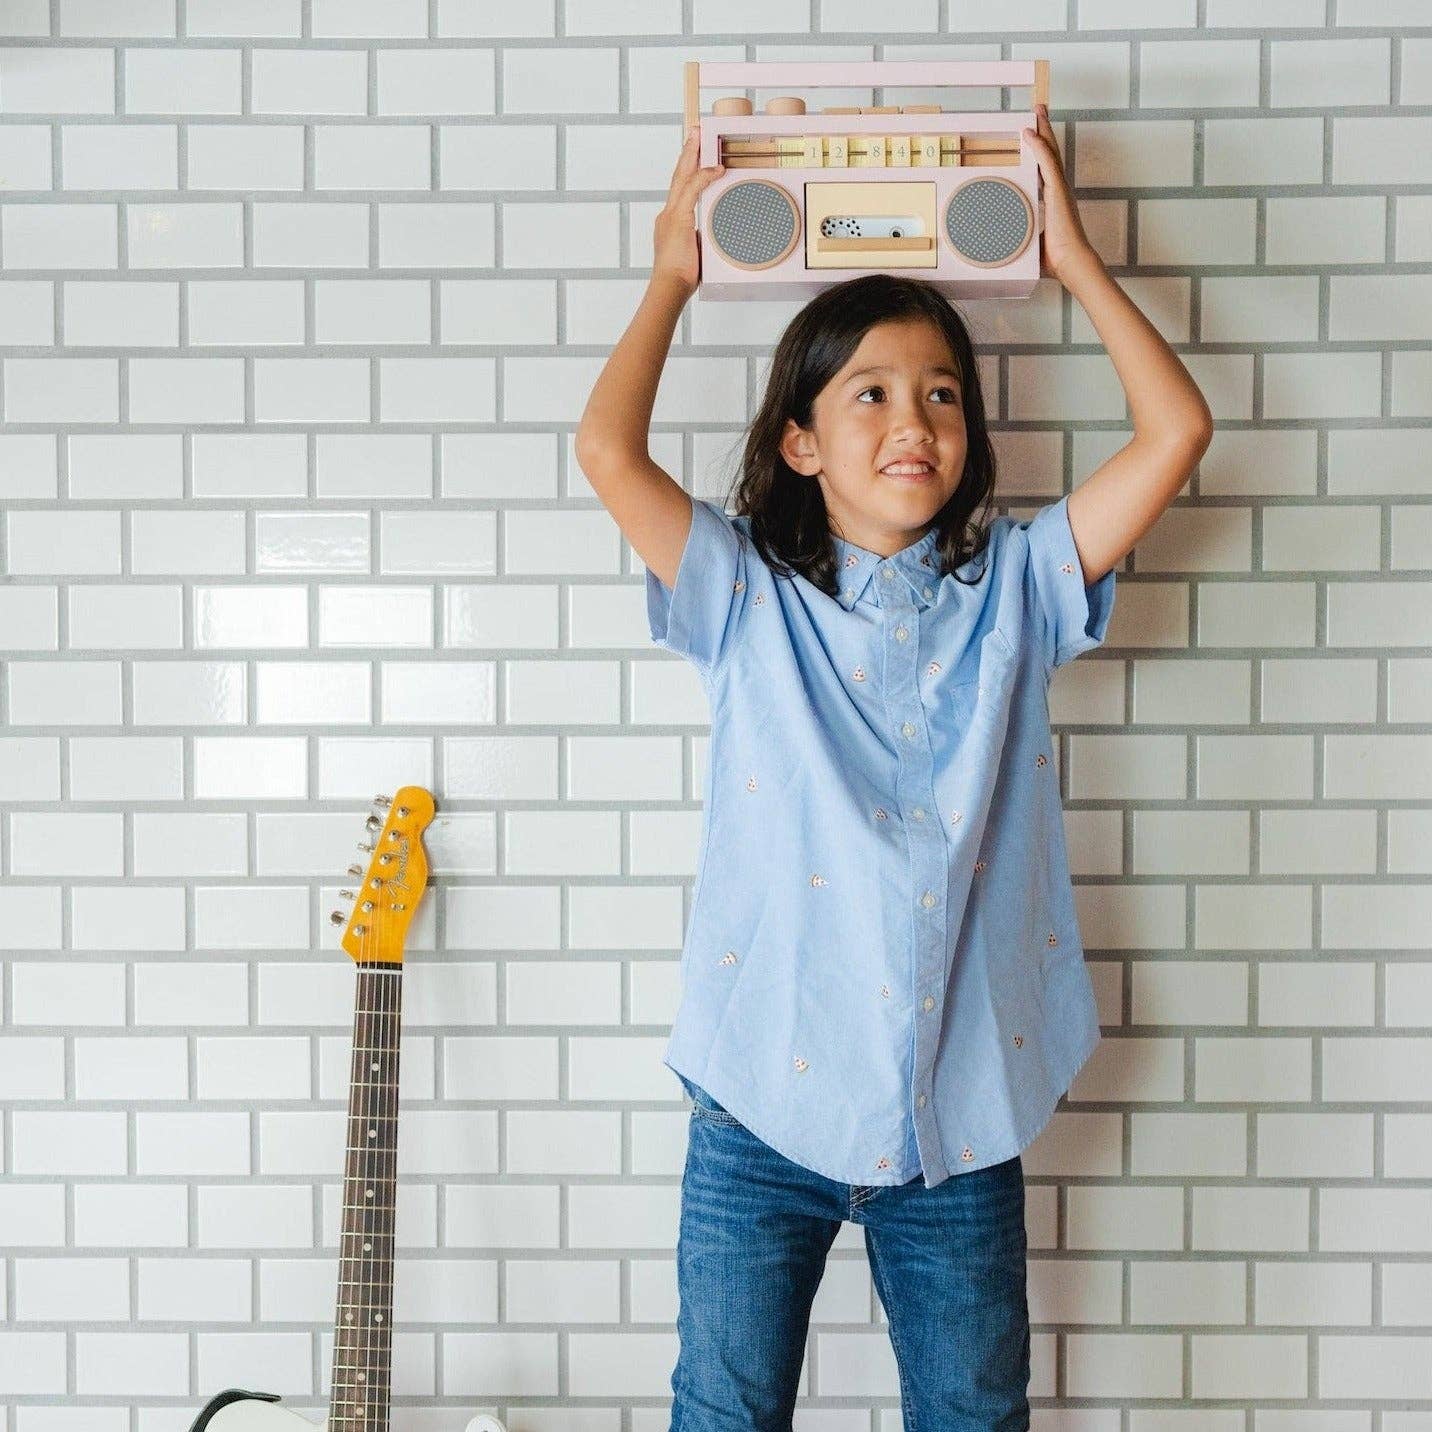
[{"x": 363, "y": 1337}]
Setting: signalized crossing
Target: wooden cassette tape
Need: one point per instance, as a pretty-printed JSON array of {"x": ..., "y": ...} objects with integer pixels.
[{"x": 811, "y": 198}]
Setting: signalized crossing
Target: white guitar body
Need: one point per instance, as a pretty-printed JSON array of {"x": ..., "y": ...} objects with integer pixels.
[{"x": 254, "y": 1412}]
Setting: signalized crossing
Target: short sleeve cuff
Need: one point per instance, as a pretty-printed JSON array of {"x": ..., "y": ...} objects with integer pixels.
[
  {"x": 1076, "y": 615},
  {"x": 692, "y": 618}
]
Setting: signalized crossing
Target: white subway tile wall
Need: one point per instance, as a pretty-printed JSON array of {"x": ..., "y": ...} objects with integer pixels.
[{"x": 300, "y": 301}]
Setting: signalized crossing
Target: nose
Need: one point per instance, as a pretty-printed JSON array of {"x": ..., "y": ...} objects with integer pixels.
[{"x": 908, "y": 423}]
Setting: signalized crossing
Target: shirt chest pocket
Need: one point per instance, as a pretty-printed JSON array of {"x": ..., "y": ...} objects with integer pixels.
[{"x": 972, "y": 697}]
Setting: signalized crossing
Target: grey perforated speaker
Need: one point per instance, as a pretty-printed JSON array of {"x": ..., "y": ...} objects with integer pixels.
[
  {"x": 989, "y": 222},
  {"x": 754, "y": 224}
]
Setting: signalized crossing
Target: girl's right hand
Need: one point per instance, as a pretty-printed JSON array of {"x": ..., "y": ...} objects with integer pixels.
[{"x": 674, "y": 241}]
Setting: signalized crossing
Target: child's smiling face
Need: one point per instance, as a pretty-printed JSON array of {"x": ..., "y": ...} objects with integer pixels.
[{"x": 896, "y": 404}]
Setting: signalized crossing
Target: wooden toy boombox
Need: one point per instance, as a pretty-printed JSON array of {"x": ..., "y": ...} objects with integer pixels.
[{"x": 810, "y": 199}]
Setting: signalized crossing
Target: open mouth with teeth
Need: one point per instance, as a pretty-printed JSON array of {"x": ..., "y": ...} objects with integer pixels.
[{"x": 910, "y": 471}]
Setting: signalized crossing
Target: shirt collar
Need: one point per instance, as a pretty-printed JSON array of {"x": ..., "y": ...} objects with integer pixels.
[{"x": 917, "y": 565}]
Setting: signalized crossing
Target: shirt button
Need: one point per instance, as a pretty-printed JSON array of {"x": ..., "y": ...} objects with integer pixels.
[
  {"x": 901, "y": 633},
  {"x": 929, "y": 1002},
  {"x": 928, "y": 593},
  {"x": 927, "y": 899},
  {"x": 848, "y": 594},
  {"x": 888, "y": 573},
  {"x": 908, "y": 729},
  {"x": 921, "y": 1101},
  {"x": 918, "y": 812}
]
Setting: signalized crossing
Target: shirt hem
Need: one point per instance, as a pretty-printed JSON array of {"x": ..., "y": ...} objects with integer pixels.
[{"x": 1021, "y": 1141}]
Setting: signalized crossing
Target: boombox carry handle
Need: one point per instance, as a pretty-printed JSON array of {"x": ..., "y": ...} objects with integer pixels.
[{"x": 817, "y": 74}]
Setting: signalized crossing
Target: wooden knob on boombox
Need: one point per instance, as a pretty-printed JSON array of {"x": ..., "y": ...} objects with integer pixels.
[
  {"x": 785, "y": 104},
  {"x": 732, "y": 104}
]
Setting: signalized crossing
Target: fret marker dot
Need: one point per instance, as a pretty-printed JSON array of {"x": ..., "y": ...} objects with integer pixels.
[
  {"x": 367, "y": 1247},
  {"x": 372, "y": 1133},
  {"x": 368, "y": 1193},
  {"x": 349, "y": 1316},
  {"x": 377, "y": 1317},
  {"x": 375, "y": 1064},
  {"x": 362, "y": 1377}
]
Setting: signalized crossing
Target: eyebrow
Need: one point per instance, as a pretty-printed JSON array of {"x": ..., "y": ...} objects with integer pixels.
[{"x": 881, "y": 368}]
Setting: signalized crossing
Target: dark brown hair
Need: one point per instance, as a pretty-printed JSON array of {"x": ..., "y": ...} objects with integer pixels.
[{"x": 789, "y": 526}]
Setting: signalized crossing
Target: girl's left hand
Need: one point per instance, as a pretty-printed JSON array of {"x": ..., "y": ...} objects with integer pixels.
[{"x": 1065, "y": 241}]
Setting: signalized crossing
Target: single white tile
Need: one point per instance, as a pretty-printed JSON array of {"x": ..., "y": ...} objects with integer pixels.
[
  {"x": 454, "y": 81},
  {"x": 60, "y": 236},
  {"x": 182, "y": 80},
  {"x": 122, "y": 315},
  {"x": 43, "y": 80},
  {"x": 310, "y": 81}
]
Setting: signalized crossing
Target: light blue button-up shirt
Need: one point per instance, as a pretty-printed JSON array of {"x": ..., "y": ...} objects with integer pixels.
[{"x": 882, "y": 975}]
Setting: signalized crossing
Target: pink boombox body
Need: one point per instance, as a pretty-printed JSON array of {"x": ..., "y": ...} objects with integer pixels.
[{"x": 812, "y": 199}]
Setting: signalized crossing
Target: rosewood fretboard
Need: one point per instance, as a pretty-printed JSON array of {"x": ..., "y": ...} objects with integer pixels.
[{"x": 363, "y": 1337}]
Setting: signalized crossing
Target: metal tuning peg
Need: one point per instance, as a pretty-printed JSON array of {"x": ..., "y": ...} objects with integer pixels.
[
  {"x": 361, "y": 846},
  {"x": 337, "y": 917},
  {"x": 382, "y": 802},
  {"x": 373, "y": 823},
  {"x": 347, "y": 894},
  {"x": 355, "y": 870}
]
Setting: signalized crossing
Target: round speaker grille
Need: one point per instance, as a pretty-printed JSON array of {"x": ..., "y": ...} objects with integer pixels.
[
  {"x": 754, "y": 224},
  {"x": 988, "y": 221}
]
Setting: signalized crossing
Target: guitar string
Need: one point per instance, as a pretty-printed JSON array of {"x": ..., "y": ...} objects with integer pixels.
[
  {"x": 371, "y": 1338},
  {"x": 357, "y": 1401},
  {"x": 376, "y": 1045},
  {"x": 359, "y": 1347},
  {"x": 385, "y": 1155}
]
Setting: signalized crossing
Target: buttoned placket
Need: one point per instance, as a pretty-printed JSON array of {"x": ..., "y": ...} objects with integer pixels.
[{"x": 925, "y": 840}]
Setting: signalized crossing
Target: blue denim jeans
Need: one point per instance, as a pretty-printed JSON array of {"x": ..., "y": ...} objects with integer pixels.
[{"x": 948, "y": 1264}]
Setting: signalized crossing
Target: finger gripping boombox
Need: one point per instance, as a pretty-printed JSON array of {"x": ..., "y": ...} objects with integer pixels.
[{"x": 810, "y": 199}]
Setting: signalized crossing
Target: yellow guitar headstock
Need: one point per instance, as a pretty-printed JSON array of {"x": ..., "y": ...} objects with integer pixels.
[{"x": 394, "y": 881}]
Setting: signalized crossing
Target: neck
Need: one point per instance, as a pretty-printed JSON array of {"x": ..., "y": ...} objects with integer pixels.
[{"x": 362, "y": 1339}]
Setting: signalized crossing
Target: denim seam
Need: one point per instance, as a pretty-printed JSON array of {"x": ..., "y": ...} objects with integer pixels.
[
  {"x": 907, "y": 1408},
  {"x": 717, "y": 1116}
]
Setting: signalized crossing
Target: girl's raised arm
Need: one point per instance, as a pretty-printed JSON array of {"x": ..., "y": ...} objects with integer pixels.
[
  {"x": 1112, "y": 508},
  {"x": 651, "y": 508}
]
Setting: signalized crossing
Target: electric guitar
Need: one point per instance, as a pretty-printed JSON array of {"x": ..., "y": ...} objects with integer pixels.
[{"x": 373, "y": 935}]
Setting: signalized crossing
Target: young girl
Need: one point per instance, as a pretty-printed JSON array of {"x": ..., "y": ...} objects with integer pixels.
[{"x": 883, "y": 987}]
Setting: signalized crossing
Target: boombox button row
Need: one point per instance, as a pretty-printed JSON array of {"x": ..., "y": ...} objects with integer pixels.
[{"x": 894, "y": 151}]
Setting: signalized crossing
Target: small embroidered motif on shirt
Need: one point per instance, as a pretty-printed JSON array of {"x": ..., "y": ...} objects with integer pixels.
[
  {"x": 818, "y": 880},
  {"x": 858, "y": 674},
  {"x": 729, "y": 958},
  {"x": 801, "y": 1065},
  {"x": 760, "y": 599},
  {"x": 882, "y": 1163},
  {"x": 1019, "y": 1041},
  {"x": 852, "y": 560},
  {"x": 881, "y": 813},
  {"x": 1040, "y": 760},
  {"x": 750, "y": 783},
  {"x": 955, "y": 817},
  {"x": 1052, "y": 939},
  {"x": 979, "y": 865},
  {"x": 739, "y": 586},
  {"x": 933, "y": 669},
  {"x": 968, "y": 1153},
  {"x": 885, "y": 991},
  {"x": 1067, "y": 567}
]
